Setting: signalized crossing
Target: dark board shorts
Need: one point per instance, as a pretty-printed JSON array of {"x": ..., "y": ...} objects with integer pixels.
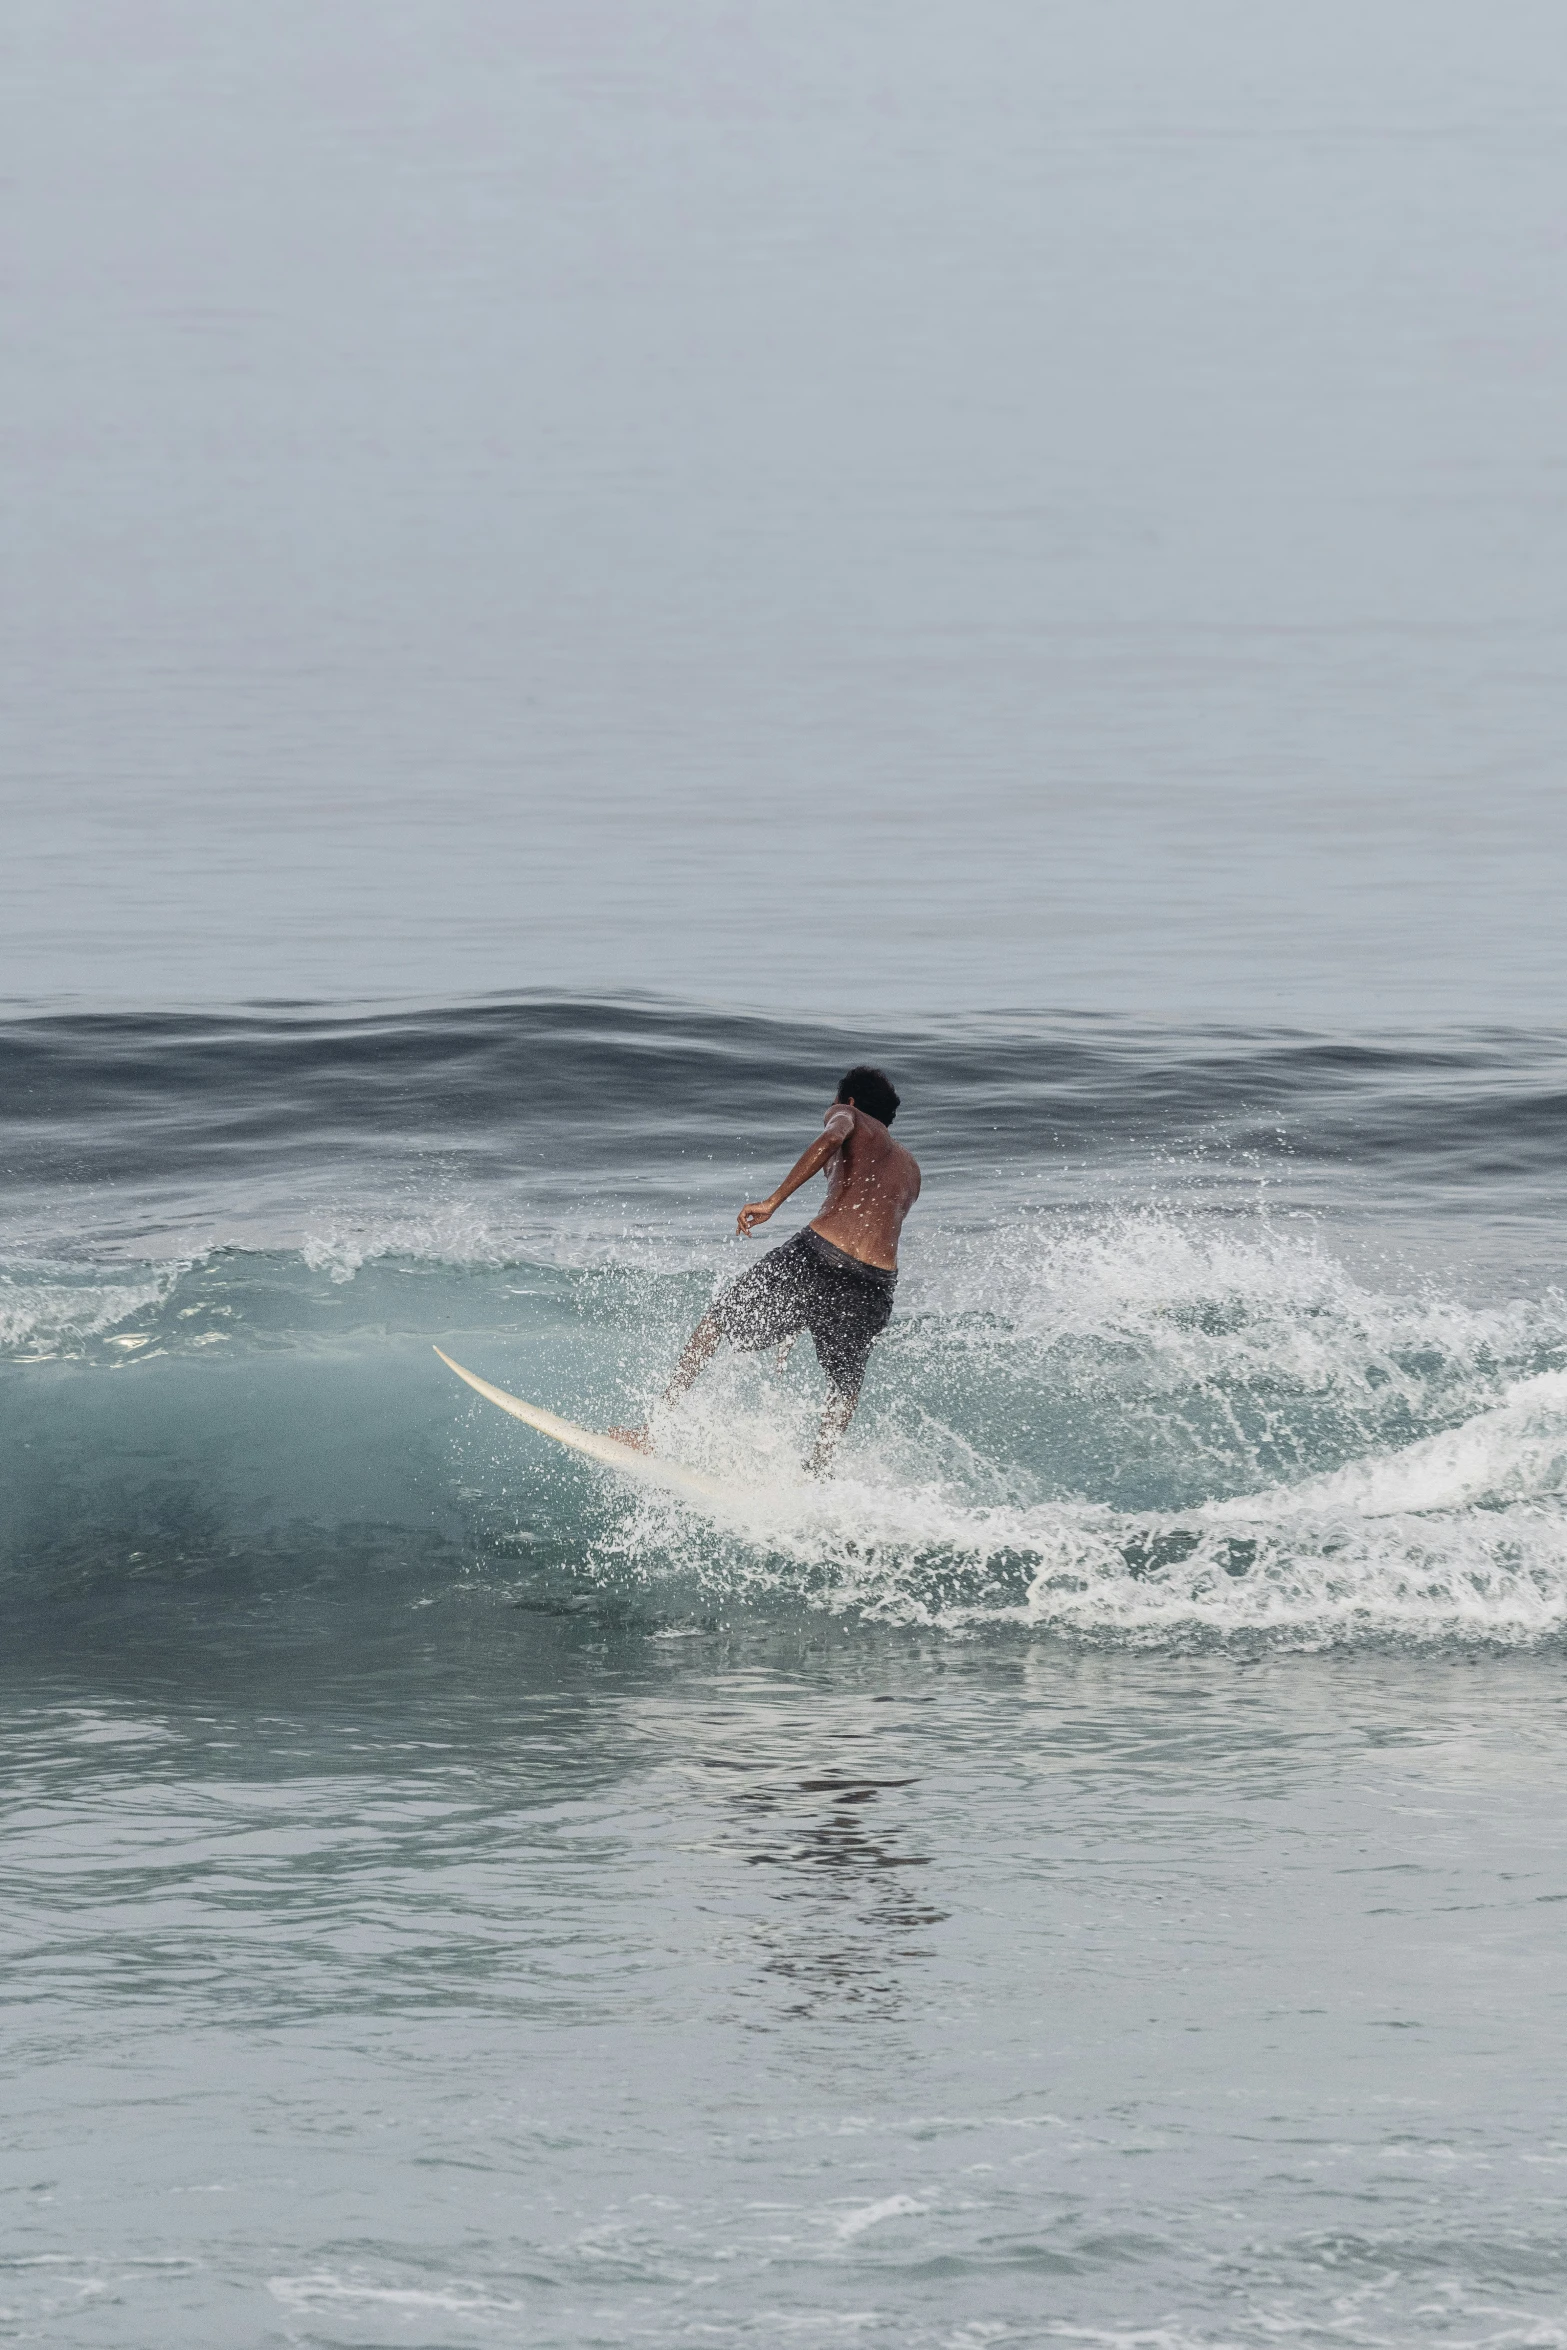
[{"x": 807, "y": 1284}]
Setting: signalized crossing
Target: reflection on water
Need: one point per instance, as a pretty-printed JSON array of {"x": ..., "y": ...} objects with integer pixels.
[
  {"x": 469, "y": 1953},
  {"x": 838, "y": 1930}
]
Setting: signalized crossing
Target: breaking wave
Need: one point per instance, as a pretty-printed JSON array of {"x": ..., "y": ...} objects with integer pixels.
[
  {"x": 1126, "y": 1397},
  {"x": 1307, "y": 1460}
]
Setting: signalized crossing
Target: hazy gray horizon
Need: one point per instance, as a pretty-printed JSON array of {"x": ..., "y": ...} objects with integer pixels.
[{"x": 850, "y": 508}]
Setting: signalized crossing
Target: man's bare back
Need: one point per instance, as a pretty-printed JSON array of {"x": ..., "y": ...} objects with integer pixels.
[{"x": 872, "y": 1182}]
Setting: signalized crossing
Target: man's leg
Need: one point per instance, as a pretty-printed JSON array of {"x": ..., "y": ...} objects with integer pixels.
[
  {"x": 765, "y": 1305},
  {"x": 700, "y": 1349},
  {"x": 838, "y": 1412},
  {"x": 844, "y": 1338}
]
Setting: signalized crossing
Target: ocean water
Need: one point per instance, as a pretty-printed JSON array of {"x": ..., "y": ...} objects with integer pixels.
[
  {"x": 1092, "y": 1872},
  {"x": 1064, "y": 497},
  {"x": 572, "y": 570}
]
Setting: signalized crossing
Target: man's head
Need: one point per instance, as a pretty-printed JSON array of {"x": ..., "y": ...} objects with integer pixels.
[{"x": 869, "y": 1090}]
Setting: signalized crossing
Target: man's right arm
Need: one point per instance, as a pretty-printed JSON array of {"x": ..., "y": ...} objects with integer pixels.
[{"x": 833, "y": 1136}]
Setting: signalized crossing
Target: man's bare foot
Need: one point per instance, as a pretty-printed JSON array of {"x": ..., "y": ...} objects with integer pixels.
[{"x": 638, "y": 1438}]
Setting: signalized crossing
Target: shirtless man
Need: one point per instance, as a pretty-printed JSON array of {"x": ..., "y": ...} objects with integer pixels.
[{"x": 836, "y": 1278}]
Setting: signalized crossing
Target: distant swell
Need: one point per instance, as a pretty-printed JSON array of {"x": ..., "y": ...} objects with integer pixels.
[{"x": 94, "y": 1097}]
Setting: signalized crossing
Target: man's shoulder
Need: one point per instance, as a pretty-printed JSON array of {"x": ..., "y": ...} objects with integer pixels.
[
  {"x": 880, "y": 1143},
  {"x": 903, "y": 1156}
]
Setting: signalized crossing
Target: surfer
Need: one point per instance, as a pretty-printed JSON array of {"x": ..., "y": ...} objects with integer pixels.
[{"x": 836, "y": 1278}]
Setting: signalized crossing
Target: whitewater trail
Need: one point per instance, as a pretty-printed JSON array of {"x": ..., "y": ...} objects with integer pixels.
[{"x": 1218, "y": 1350}]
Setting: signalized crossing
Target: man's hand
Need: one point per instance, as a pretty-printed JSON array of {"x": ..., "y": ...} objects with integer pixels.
[{"x": 754, "y": 1212}]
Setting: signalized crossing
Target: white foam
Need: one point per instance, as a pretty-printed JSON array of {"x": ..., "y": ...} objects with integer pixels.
[
  {"x": 1297, "y": 1578},
  {"x": 321, "y": 2290},
  {"x": 56, "y": 1311},
  {"x": 871, "y": 2215},
  {"x": 1513, "y": 1452},
  {"x": 1208, "y": 1350},
  {"x": 1189, "y": 1299},
  {"x": 461, "y": 1234},
  {"x": 454, "y": 1234}
]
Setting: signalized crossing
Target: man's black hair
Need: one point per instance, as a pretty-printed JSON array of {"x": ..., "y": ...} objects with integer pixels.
[{"x": 869, "y": 1090}]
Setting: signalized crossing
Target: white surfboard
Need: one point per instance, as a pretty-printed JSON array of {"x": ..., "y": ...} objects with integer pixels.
[{"x": 643, "y": 1468}]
